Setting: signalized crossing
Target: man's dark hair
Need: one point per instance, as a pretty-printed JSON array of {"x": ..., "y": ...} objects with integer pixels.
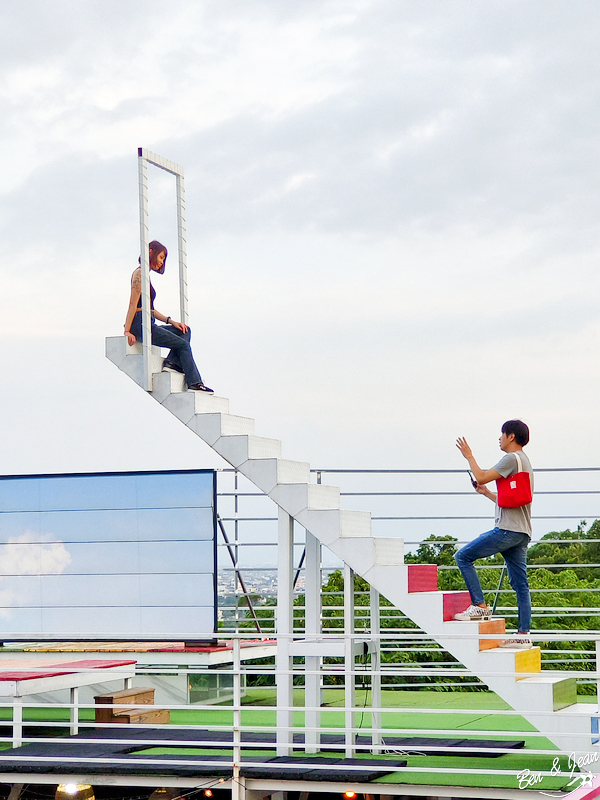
[{"x": 520, "y": 430}]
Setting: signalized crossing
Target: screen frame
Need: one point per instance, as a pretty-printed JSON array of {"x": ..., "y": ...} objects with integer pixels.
[{"x": 117, "y": 637}]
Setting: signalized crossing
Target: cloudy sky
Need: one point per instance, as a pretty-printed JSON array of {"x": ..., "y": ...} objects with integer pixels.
[{"x": 392, "y": 211}]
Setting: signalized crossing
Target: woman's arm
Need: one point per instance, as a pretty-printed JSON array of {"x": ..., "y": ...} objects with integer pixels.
[
  {"x": 170, "y": 321},
  {"x": 134, "y": 297}
]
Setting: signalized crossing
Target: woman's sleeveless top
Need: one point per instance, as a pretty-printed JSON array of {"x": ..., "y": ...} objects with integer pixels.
[{"x": 152, "y": 296}]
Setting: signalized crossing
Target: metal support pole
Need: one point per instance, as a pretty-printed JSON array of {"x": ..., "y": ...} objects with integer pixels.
[
  {"x": 237, "y": 789},
  {"x": 496, "y": 596},
  {"x": 182, "y": 249},
  {"x": 376, "y": 737},
  {"x": 598, "y": 673},
  {"x": 349, "y": 692},
  {"x": 17, "y": 740},
  {"x": 312, "y": 629},
  {"x": 74, "y": 711},
  {"x": 146, "y": 314},
  {"x": 283, "y": 668}
]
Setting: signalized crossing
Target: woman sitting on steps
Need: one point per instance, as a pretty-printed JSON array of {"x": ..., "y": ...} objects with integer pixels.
[{"x": 174, "y": 335}]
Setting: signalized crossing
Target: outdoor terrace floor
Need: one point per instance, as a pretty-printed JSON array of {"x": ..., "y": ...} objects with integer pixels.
[{"x": 202, "y": 751}]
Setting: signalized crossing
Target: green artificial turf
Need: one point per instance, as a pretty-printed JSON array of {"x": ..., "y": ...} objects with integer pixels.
[
  {"x": 259, "y": 711},
  {"x": 495, "y": 772}
]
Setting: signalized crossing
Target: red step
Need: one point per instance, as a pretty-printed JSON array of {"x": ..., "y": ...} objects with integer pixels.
[
  {"x": 422, "y": 578},
  {"x": 454, "y": 603}
]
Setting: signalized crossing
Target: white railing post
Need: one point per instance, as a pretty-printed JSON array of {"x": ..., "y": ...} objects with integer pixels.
[
  {"x": 312, "y": 629},
  {"x": 598, "y": 673},
  {"x": 146, "y": 319},
  {"x": 376, "y": 738},
  {"x": 237, "y": 782},
  {"x": 349, "y": 679},
  {"x": 182, "y": 249},
  {"x": 285, "y": 594}
]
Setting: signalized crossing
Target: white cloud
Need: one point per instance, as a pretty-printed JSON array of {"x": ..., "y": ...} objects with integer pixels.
[
  {"x": 34, "y": 554},
  {"x": 30, "y": 554}
]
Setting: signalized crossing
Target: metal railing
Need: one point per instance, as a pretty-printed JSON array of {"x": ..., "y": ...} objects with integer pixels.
[
  {"x": 251, "y": 519},
  {"x": 238, "y": 737}
]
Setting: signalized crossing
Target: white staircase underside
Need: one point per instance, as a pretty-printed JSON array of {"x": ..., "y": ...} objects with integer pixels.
[{"x": 348, "y": 534}]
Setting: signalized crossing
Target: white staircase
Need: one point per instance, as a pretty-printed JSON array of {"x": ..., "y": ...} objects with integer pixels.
[{"x": 547, "y": 700}]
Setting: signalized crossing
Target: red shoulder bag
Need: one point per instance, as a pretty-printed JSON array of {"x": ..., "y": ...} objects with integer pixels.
[{"x": 514, "y": 491}]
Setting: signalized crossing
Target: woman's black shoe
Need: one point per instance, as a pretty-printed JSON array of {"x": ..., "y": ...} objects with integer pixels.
[
  {"x": 200, "y": 387},
  {"x": 170, "y": 365}
]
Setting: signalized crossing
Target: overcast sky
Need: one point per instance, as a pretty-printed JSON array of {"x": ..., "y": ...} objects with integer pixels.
[{"x": 392, "y": 212}]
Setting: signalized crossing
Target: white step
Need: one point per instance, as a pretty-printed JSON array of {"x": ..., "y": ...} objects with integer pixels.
[
  {"x": 295, "y": 497},
  {"x": 129, "y": 359},
  {"x": 166, "y": 383},
  {"x": 332, "y": 524},
  {"x": 115, "y": 349},
  {"x": 266, "y": 473},
  {"x": 184, "y": 405},
  {"x": 211, "y": 427},
  {"x": 550, "y": 691},
  {"x": 372, "y": 551},
  {"x": 238, "y": 449},
  {"x": 570, "y": 730}
]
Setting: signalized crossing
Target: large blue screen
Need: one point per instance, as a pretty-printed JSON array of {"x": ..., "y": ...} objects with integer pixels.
[{"x": 110, "y": 555}]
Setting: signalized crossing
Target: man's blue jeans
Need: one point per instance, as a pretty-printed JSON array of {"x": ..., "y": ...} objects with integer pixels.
[{"x": 513, "y": 546}]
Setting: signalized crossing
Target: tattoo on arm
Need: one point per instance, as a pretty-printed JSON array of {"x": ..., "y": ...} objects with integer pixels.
[{"x": 136, "y": 280}]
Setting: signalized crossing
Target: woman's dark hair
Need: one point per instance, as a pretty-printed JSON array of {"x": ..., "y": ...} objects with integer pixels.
[
  {"x": 156, "y": 248},
  {"x": 520, "y": 430}
]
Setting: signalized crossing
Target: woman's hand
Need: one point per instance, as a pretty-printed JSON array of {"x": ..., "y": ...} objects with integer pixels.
[
  {"x": 130, "y": 338},
  {"x": 179, "y": 325}
]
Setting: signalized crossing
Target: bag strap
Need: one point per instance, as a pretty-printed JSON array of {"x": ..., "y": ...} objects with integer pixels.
[{"x": 519, "y": 465}]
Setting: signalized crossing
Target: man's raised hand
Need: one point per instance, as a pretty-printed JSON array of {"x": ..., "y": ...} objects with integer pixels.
[{"x": 464, "y": 447}]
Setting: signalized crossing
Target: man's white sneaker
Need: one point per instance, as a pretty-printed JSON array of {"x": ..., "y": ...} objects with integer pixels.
[
  {"x": 517, "y": 642},
  {"x": 474, "y": 612}
]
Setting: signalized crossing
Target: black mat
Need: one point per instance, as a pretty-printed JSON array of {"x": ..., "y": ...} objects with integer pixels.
[
  {"x": 470, "y": 748},
  {"x": 298, "y": 769},
  {"x": 119, "y": 745},
  {"x": 126, "y": 758}
]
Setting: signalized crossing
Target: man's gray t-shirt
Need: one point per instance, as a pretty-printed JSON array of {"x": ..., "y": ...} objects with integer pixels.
[{"x": 514, "y": 519}]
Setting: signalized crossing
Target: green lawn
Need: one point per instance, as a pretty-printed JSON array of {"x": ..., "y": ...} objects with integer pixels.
[{"x": 477, "y": 714}]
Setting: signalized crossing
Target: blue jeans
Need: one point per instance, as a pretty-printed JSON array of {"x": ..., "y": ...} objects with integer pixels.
[
  {"x": 177, "y": 342},
  {"x": 513, "y": 546}
]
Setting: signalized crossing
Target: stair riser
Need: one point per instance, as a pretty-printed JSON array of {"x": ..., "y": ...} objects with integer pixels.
[
  {"x": 166, "y": 383},
  {"x": 549, "y": 691},
  {"x": 238, "y": 449},
  {"x": 294, "y": 498},
  {"x": 211, "y": 427},
  {"x": 422, "y": 578},
  {"x": 370, "y": 551},
  {"x": 455, "y": 603},
  {"x": 185, "y": 405},
  {"x": 488, "y": 628},
  {"x": 133, "y": 366},
  {"x": 266, "y": 473},
  {"x": 328, "y": 526}
]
